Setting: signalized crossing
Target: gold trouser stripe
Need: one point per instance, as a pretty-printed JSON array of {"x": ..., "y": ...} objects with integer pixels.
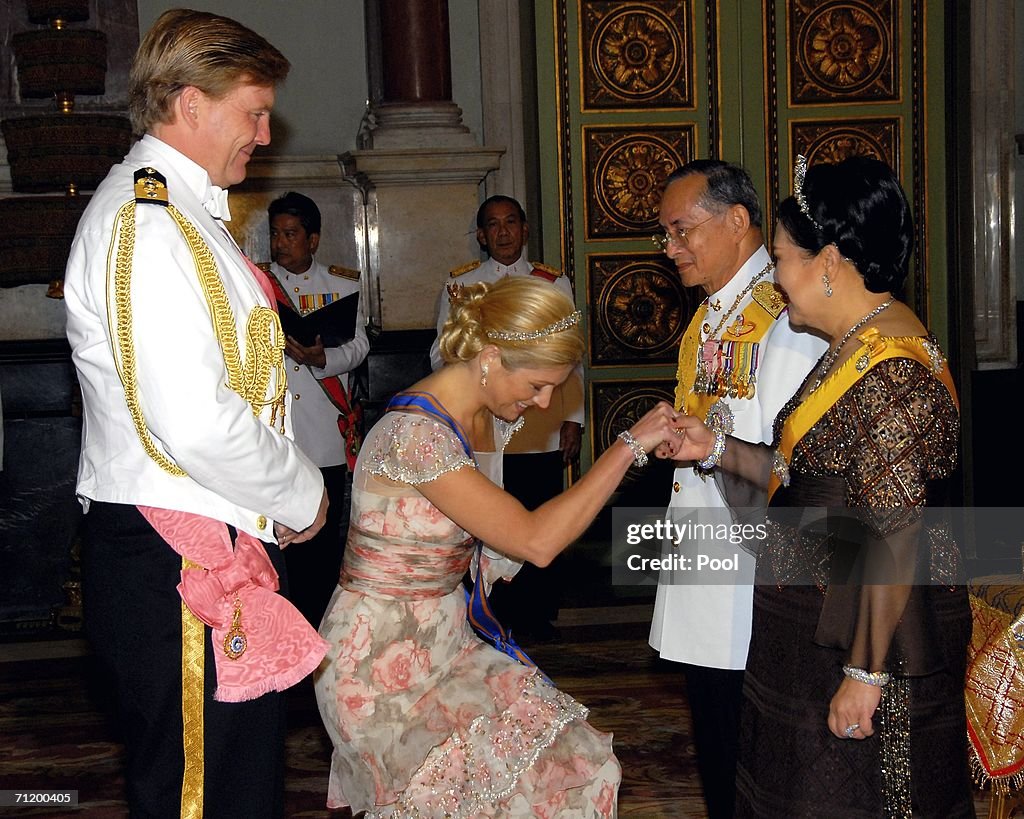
[{"x": 193, "y": 645}]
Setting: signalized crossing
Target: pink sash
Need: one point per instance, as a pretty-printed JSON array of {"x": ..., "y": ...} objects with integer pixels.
[{"x": 260, "y": 641}]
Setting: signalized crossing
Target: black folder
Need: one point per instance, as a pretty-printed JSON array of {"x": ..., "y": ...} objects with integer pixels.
[{"x": 335, "y": 323}]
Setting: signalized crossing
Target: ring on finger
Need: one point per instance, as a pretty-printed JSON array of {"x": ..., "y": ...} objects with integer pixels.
[{"x": 851, "y": 729}]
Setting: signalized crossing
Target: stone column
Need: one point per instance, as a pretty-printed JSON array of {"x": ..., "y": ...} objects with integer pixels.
[
  {"x": 415, "y": 49},
  {"x": 501, "y": 79},
  {"x": 419, "y": 165}
]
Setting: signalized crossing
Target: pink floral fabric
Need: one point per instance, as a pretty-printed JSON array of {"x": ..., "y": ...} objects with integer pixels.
[{"x": 426, "y": 719}]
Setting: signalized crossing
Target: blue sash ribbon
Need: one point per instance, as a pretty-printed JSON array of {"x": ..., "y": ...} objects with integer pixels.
[
  {"x": 478, "y": 609},
  {"x": 486, "y": 625}
]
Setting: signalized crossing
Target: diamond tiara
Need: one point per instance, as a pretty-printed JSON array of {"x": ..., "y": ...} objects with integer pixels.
[
  {"x": 570, "y": 320},
  {"x": 799, "y": 172}
]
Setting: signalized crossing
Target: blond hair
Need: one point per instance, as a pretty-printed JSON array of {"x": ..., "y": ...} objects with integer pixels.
[
  {"x": 194, "y": 48},
  {"x": 513, "y": 305}
]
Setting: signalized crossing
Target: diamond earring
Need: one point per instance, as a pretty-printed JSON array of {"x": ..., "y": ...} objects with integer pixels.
[
  {"x": 828, "y": 286},
  {"x": 483, "y": 375}
]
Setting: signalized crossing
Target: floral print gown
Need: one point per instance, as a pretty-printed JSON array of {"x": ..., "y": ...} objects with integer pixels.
[{"x": 427, "y": 719}]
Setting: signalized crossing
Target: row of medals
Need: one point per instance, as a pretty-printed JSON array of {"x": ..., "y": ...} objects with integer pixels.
[{"x": 727, "y": 379}]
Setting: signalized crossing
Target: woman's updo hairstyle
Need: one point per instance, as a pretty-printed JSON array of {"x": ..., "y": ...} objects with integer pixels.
[
  {"x": 859, "y": 206},
  {"x": 513, "y": 306}
]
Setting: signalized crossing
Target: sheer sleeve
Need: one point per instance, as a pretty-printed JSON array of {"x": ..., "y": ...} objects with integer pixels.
[
  {"x": 903, "y": 436},
  {"x": 415, "y": 449},
  {"x": 746, "y": 467},
  {"x": 743, "y": 475}
]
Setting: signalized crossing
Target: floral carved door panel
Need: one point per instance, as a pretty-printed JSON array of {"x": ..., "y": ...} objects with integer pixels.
[{"x": 628, "y": 90}]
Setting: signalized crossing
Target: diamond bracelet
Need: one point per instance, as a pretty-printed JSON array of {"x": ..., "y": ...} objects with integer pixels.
[
  {"x": 639, "y": 456},
  {"x": 717, "y": 450},
  {"x": 875, "y": 678}
]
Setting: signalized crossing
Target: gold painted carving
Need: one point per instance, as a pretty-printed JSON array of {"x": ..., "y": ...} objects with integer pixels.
[
  {"x": 640, "y": 309},
  {"x": 625, "y": 173},
  {"x": 636, "y": 54},
  {"x": 835, "y": 140},
  {"x": 843, "y": 51}
]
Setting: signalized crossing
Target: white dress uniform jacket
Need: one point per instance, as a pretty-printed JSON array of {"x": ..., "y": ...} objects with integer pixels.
[
  {"x": 240, "y": 469},
  {"x": 314, "y": 416},
  {"x": 709, "y": 625},
  {"x": 542, "y": 428}
]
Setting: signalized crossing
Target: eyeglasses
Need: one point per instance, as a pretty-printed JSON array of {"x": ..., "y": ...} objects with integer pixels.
[{"x": 677, "y": 235}]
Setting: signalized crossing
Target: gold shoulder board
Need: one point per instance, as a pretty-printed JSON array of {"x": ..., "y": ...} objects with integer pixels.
[
  {"x": 770, "y": 297},
  {"x": 344, "y": 272},
  {"x": 150, "y": 186},
  {"x": 458, "y": 271},
  {"x": 554, "y": 271}
]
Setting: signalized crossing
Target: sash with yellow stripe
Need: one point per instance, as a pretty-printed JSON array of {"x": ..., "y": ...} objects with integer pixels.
[{"x": 875, "y": 349}]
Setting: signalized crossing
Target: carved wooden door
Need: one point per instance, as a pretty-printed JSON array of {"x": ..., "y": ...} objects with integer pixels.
[{"x": 630, "y": 89}]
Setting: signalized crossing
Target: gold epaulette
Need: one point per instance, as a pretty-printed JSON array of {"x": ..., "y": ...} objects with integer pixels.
[
  {"x": 769, "y": 296},
  {"x": 344, "y": 272},
  {"x": 150, "y": 186},
  {"x": 554, "y": 271},
  {"x": 264, "y": 266},
  {"x": 458, "y": 271}
]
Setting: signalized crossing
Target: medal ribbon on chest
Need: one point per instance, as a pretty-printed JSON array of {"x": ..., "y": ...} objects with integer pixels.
[
  {"x": 314, "y": 301},
  {"x": 727, "y": 368}
]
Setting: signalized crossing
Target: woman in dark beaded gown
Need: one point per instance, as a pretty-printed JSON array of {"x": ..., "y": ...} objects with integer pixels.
[{"x": 853, "y": 695}]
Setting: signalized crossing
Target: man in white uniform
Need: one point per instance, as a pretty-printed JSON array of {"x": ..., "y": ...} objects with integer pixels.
[
  {"x": 740, "y": 354},
  {"x": 325, "y": 415},
  {"x": 550, "y": 440},
  {"x": 188, "y": 471}
]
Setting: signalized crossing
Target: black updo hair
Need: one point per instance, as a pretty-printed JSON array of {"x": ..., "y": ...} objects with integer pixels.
[{"x": 861, "y": 209}]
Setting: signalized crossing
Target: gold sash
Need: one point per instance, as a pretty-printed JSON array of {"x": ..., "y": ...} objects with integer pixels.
[{"x": 874, "y": 349}]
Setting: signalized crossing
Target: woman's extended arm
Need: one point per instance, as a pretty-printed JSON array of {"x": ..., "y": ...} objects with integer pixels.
[{"x": 491, "y": 514}]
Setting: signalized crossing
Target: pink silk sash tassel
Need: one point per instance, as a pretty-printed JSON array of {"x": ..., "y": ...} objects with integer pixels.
[{"x": 280, "y": 646}]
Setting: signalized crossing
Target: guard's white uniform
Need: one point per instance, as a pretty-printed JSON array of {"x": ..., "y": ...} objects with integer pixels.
[
  {"x": 542, "y": 428},
  {"x": 314, "y": 416},
  {"x": 709, "y": 625},
  {"x": 241, "y": 470}
]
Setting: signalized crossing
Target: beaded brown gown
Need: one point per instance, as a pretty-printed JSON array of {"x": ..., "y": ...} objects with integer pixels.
[{"x": 875, "y": 446}]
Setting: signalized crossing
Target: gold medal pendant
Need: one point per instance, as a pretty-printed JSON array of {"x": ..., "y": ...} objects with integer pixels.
[{"x": 235, "y": 641}]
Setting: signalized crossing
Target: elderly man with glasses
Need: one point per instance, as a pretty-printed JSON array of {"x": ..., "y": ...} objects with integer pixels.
[{"x": 739, "y": 362}]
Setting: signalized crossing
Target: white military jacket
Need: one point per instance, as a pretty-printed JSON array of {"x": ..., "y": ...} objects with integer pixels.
[
  {"x": 239, "y": 468},
  {"x": 709, "y": 625},
  {"x": 314, "y": 416},
  {"x": 541, "y": 430}
]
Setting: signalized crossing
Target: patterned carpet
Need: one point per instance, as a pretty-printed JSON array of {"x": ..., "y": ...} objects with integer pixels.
[{"x": 56, "y": 733}]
